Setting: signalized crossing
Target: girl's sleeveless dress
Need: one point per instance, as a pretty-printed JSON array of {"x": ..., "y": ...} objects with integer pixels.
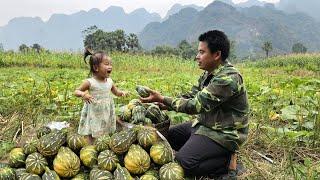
[{"x": 98, "y": 118}]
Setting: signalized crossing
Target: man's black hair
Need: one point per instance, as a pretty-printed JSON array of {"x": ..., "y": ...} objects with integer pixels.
[{"x": 217, "y": 41}]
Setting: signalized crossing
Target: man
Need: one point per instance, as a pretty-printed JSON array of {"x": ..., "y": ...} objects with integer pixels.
[{"x": 205, "y": 147}]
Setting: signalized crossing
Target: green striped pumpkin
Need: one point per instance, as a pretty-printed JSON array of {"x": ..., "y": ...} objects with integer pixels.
[
  {"x": 121, "y": 141},
  {"x": 17, "y": 158},
  {"x": 107, "y": 160},
  {"x": 98, "y": 174},
  {"x": 81, "y": 176},
  {"x": 154, "y": 113},
  {"x": 125, "y": 113},
  {"x": 75, "y": 141},
  {"x": 43, "y": 131},
  {"x": 138, "y": 114},
  {"x": 19, "y": 172},
  {"x": 7, "y": 173},
  {"x": 30, "y": 147},
  {"x": 147, "y": 136},
  {"x": 102, "y": 143},
  {"x": 137, "y": 160},
  {"x": 152, "y": 172},
  {"x": 50, "y": 175},
  {"x": 148, "y": 177},
  {"x": 171, "y": 171},
  {"x": 121, "y": 173},
  {"x": 29, "y": 176},
  {"x": 143, "y": 91},
  {"x": 2, "y": 165},
  {"x": 89, "y": 156},
  {"x": 161, "y": 153},
  {"x": 35, "y": 163},
  {"x": 134, "y": 102},
  {"x": 49, "y": 144},
  {"x": 66, "y": 163}
]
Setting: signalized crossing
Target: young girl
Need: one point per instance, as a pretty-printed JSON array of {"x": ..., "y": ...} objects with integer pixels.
[{"x": 98, "y": 113}]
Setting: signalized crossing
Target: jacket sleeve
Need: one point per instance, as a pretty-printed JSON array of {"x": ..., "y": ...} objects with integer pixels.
[{"x": 219, "y": 90}]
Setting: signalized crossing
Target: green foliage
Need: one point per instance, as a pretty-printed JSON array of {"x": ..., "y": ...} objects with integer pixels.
[
  {"x": 23, "y": 48},
  {"x": 299, "y": 48},
  {"x": 98, "y": 39},
  {"x": 267, "y": 47}
]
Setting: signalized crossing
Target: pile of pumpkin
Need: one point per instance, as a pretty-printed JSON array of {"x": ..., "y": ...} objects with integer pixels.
[
  {"x": 136, "y": 112},
  {"x": 136, "y": 153}
]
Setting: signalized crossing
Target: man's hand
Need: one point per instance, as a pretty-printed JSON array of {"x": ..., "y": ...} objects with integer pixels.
[{"x": 154, "y": 96}]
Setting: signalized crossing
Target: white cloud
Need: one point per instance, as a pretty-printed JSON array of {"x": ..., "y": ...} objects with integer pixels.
[{"x": 45, "y": 8}]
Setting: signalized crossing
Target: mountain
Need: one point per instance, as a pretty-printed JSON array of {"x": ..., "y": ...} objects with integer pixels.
[
  {"x": 310, "y": 7},
  {"x": 248, "y": 27},
  {"x": 63, "y": 32},
  {"x": 177, "y": 7}
]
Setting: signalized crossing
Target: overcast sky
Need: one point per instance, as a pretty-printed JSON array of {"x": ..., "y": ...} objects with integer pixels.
[{"x": 45, "y": 8}]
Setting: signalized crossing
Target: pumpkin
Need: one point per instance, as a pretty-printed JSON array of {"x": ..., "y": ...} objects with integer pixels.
[
  {"x": 2, "y": 165},
  {"x": 138, "y": 114},
  {"x": 121, "y": 173},
  {"x": 97, "y": 174},
  {"x": 30, "y": 147},
  {"x": 7, "y": 173},
  {"x": 66, "y": 163},
  {"x": 89, "y": 156},
  {"x": 35, "y": 163},
  {"x": 107, "y": 160},
  {"x": 147, "y": 136},
  {"x": 49, "y": 144},
  {"x": 171, "y": 171},
  {"x": 19, "y": 172},
  {"x": 50, "y": 175},
  {"x": 29, "y": 176},
  {"x": 143, "y": 91},
  {"x": 43, "y": 131},
  {"x": 81, "y": 176},
  {"x": 121, "y": 141},
  {"x": 155, "y": 114},
  {"x": 75, "y": 141},
  {"x": 152, "y": 172},
  {"x": 125, "y": 113},
  {"x": 148, "y": 177},
  {"x": 102, "y": 143},
  {"x": 161, "y": 153},
  {"x": 137, "y": 160},
  {"x": 17, "y": 158}
]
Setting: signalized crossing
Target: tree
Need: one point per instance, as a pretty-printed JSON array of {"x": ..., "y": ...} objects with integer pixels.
[
  {"x": 36, "y": 47},
  {"x": 23, "y": 48},
  {"x": 186, "y": 51},
  {"x": 267, "y": 47},
  {"x": 132, "y": 42},
  {"x": 299, "y": 48},
  {"x": 164, "y": 50},
  {"x": 232, "y": 53},
  {"x": 120, "y": 39}
]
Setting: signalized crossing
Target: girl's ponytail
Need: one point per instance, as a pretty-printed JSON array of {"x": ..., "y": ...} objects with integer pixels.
[{"x": 87, "y": 52}]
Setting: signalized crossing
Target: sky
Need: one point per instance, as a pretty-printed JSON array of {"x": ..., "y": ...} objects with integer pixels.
[{"x": 10, "y": 9}]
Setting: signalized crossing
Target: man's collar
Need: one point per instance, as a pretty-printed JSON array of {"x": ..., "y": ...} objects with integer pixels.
[{"x": 220, "y": 67}]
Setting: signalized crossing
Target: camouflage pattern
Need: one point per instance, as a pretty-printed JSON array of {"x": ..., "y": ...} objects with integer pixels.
[{"x": 221, "y": 104}]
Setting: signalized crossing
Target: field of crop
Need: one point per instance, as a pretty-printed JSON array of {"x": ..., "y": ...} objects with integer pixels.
[{"x": 284, "y": 94}]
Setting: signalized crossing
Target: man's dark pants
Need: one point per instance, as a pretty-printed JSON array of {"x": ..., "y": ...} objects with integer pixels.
[{"x": 197, "y": 154}]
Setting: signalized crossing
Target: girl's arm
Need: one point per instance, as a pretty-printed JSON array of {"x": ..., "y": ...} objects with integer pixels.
[
  {"x": 116, "y": 91},
  {"x": 81, "y": 91}
]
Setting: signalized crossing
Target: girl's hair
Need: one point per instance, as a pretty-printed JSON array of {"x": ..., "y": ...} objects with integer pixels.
[{"x": 94, "y": 60}]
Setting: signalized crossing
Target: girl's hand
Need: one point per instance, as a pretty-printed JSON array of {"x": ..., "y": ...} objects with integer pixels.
[
  {"x": 87, "y": 98},
  {"x": 154, "y": 96},
  {"x": 124, "y": 94}
]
